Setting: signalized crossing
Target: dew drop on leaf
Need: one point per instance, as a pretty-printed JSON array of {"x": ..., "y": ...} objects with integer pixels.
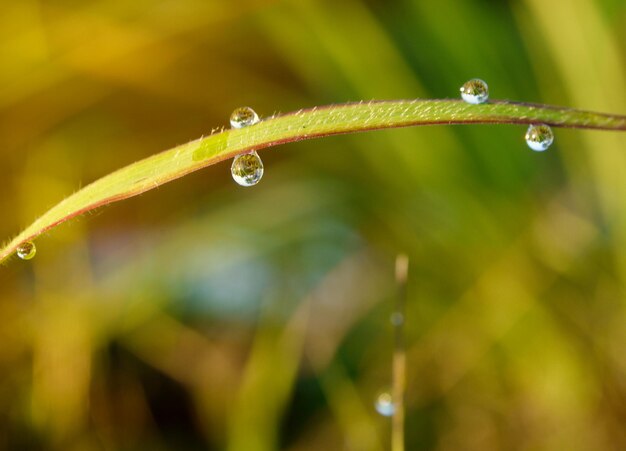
[
  {"x": 539, "y": 137},
  {"x": 243, "y": 117},
  {"x": 26, "y": 250},
  {"x": 247, "y": 169},
  {"x": 384, "y": 404},
  {"x": 475, "y": 91}
]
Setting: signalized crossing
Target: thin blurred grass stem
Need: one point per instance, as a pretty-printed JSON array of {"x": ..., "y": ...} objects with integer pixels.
[{"x": 399, "y": 355}]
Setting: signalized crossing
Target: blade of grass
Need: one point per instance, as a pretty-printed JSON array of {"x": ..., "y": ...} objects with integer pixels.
[
  {"x": 155, "y": 170},
  {"x": 399, "y": 355}
]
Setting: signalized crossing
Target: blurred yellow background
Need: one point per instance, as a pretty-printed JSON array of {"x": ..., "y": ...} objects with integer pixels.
[{"x": 204, "y": 315}]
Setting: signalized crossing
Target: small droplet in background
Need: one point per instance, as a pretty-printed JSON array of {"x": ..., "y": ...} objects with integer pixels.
[
  {"x": 475, "y": 91},
  {"x": 539, "y": 137},
  {"x": 384, "y": 404},
  {"x": 26, "y": 250},
  {"x": 243, "y": 117},
  {"x": 247, "y": 169},
  {"x": 396, "y": 318}
]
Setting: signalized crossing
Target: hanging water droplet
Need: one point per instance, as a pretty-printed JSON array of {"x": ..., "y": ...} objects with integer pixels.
[
  {"x": 539, "y": 137},
  {"x": 385, "y": 405},
  {"x": 243, "y": 117},
  {"x": 475, "y": 91},
  {"x": 26, "y": 250},
  {"x": 247, "y": 169}
]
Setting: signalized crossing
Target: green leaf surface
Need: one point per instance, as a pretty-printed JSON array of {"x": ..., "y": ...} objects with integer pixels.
[{"x": 171, "y": 164}]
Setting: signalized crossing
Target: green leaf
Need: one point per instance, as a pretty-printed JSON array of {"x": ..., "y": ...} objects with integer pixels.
[{"x": 317, "y": 122}]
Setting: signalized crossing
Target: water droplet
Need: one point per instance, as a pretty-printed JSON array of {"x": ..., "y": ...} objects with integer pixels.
[
  {"x": 385, "y": 405},
  {"x": 247, "y": 169},
  {"x": 539, "y": 137},
  {"x": 475, "y": 91},
  {"x": 26, "y": 250},
  {"x": 396, "y": 318},
  {"x": 243, "y": 117}
]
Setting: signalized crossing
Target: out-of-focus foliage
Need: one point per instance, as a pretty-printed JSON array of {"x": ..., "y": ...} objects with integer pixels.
[{"x": 203, "y": 315}]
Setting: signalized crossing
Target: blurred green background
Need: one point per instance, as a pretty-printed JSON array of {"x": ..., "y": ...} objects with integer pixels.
[{"x": 203, "y": 315}]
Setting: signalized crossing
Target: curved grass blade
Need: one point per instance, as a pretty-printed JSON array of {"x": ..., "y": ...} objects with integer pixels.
[{"x": 163, "y": 167}]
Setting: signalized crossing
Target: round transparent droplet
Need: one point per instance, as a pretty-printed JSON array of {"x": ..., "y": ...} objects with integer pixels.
[
  {"x": 26, "y": 250},
  {"x": 384, "y": 404},
  {"x": 475, "y": 91},
  {"x": 247, "y": 169},
  {"x": 243, "y": 117},
  {"x": 539, "y": 137},
  {"x": 396, "y": 319}
]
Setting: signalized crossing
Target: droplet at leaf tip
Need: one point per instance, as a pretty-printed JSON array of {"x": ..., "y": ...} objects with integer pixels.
[{"x": 26, "y": 251}]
